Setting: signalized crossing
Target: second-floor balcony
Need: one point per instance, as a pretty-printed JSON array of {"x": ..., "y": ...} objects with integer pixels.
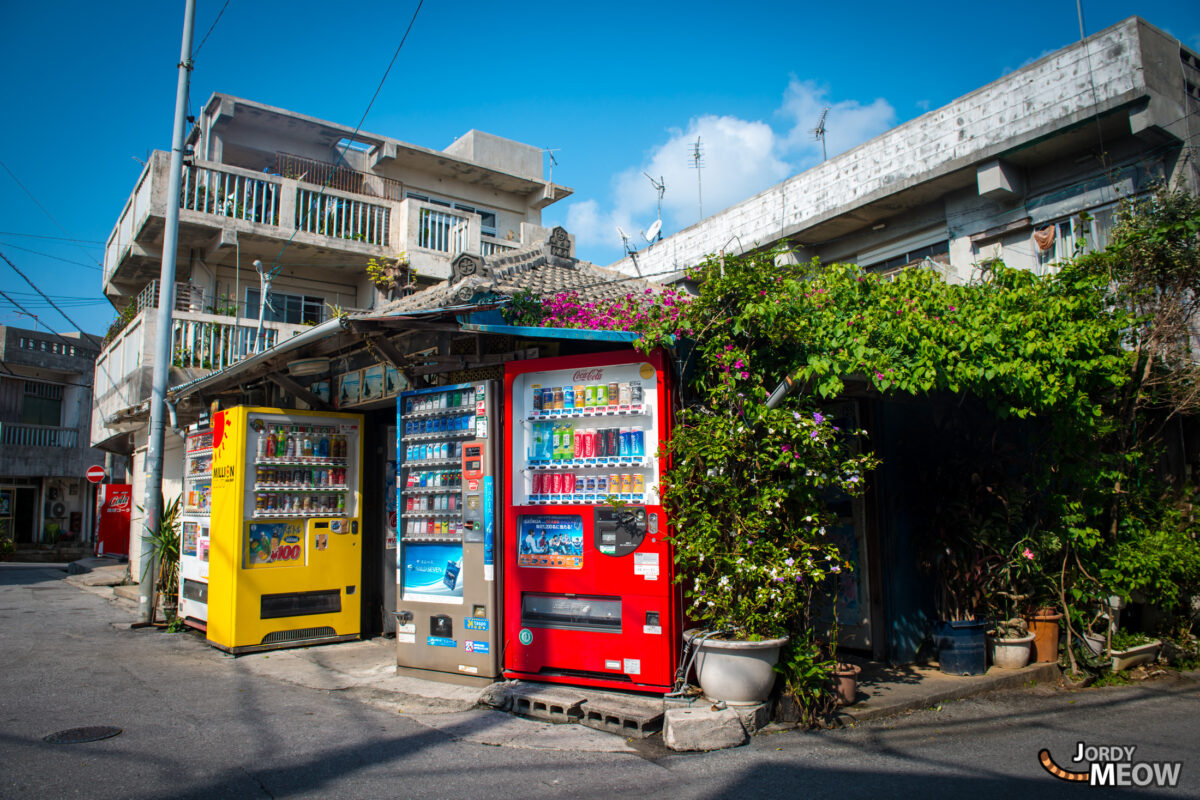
[
  {"x": 223, "y": 206},
  {"x": 201, "y": 342}
]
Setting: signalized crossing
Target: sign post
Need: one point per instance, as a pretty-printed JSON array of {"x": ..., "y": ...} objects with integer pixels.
[{"x": 95, "y": 474}]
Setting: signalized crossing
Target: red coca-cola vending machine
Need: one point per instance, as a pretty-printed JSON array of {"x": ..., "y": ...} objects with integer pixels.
[
  {"x": 114, "y": 504},
  {"x": 588, "y": 592}
]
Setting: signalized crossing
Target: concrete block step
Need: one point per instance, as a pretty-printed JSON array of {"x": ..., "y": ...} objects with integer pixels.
[
  {"x": 546, "y": 703},
  {"x": 632, "y": 717}
]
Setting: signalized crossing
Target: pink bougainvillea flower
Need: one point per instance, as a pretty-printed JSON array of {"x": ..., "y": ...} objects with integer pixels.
[{"x": 1027, "y": 553}]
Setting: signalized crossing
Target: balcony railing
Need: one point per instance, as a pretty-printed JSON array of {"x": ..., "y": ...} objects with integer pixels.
[
  {"x": 17, "y": 435},
  {"x": 491, "y": 248},
  {"x": 342, "y": 217},
  {"x": 336, "y": 176},
  {"x": 198, "y": 341},
  {"x": 443, "y": 231},
  {"x": 228, "y": 194}
]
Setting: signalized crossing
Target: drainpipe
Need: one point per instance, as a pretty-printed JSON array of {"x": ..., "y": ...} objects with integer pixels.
[{"x": 162, "y": 351}]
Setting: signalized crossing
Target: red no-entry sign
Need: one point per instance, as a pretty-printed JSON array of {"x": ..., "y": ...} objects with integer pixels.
[{"x": 95, "y": 474}]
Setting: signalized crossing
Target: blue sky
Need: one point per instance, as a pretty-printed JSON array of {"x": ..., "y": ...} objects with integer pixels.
[{"x": 616, "y": 88}]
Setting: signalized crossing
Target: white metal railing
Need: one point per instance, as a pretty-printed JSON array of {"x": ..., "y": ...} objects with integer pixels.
[
  {"x": 17, "y": 435},
  {"x": 341, "y": 217},
  {"x": 229, "y": 194},
  {"x": 207, "y": 341},
  {"x": 491, "y": 248},
  {"x": 442, "y": 231}
]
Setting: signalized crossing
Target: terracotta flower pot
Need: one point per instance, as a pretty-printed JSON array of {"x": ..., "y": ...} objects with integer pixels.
[
  {"x": 845, "y": 683},
  {"x": 1044, "y": 627}
]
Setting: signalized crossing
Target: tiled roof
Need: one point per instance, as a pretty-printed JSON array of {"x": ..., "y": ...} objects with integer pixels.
[{"x": 534, "y": 268}]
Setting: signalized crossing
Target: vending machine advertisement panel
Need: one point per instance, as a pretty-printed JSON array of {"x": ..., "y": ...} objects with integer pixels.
[
  {"x": 447, "y": 616},
  {"x": 285, "y": 551},
  {"x": 194, "y": 528},
  {"x": 588, "y": 591}
]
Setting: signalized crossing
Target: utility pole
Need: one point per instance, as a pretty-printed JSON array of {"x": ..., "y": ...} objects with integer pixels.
[{"x": 147, "y": 557}]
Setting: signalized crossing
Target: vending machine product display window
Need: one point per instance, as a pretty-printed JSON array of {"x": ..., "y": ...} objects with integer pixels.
[
  {"x": 589, "y": 597},
  {"x": 447, "y": 618},
  {"x": 285, "y": 552},
  {"x": 194, "y": 528}
]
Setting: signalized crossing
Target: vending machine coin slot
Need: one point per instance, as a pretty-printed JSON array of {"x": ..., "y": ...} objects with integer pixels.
[{"x": 618, "y": 531}]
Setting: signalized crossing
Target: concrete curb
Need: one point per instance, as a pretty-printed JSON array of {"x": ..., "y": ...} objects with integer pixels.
[{"x": 925, "y": 697}]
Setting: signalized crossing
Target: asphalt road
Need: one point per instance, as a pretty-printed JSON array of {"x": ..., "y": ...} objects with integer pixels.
[{"x": 195, "y": 726}]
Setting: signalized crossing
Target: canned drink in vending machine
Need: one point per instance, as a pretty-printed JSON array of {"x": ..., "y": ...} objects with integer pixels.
[
  {"x": 589, "y": 443},
  {"x": 568, "y": 397},
  {"x": 635, "y": 393},
  {"x": 601, "y": 394},
  {"x": 614, "y": 484},
  {"x": 623, "y": 394},
  {"x": 580, "y": 446},
  {"x": 614, "y": 393},
  {"x": 639, "y": 484},
  {"x": 589, "y": 395},
  {"x": 626, "y": 483},
  {"x": 601, "y": 484}
]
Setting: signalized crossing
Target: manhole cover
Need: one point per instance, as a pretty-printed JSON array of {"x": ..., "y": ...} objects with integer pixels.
[{"x": 93, "y": 733}]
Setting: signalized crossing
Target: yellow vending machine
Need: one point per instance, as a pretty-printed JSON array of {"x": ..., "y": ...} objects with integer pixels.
[{"x": 286, "y": 550}]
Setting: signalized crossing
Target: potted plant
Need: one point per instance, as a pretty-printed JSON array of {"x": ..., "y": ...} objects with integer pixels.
[
  {"x": 1012, "y": 584},
  {"x": 165, "y": 541},
  {"x": 1130, "y": 650},
  {"x": 747, "y": 489}
]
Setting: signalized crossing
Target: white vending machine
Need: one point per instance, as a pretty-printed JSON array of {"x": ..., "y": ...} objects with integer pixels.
[{"x": 195, "y": 527}]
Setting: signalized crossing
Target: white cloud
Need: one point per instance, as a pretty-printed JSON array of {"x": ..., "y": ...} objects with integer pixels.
[{"x": 740, "y": 158}]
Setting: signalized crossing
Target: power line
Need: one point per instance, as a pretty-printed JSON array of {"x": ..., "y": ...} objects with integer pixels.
[
  {"x": 47, "y": 213},
  {"x": 48, "y": 255},
  {"x": 349, "y": 141},
  {"x": 78, "y": 327},
  {"x": 196, "y": 52},
  {"x": 55, "y": 238}
]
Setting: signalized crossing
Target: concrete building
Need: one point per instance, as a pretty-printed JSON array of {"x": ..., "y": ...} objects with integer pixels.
[
  {"x": 1075, "y": 131},
  {"x": 1025, "y": 169},
  {"x": 313, "y": 201},
  {"x": 45, "y": 419}
]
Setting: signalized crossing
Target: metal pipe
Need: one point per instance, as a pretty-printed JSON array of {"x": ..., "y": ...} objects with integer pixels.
[{"x": 162, "y": 352}]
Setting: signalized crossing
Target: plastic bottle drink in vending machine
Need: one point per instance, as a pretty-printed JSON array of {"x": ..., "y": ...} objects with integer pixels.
[
  {"x": 536, "y": 406},
  {"x": 580, "y": 449},
  {"x": 625, "y": 442},
  {"x": 639, "y": 442},
  {"x": 568, "y": 483}
]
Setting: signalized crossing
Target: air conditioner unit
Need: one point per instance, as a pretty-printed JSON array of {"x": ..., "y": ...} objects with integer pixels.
[{"x": 56, "y": 510}]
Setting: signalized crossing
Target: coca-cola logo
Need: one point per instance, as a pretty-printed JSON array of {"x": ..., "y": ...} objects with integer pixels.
[
  {"x": 119, "y": 501},
  {"x": 588, "y": 375}
]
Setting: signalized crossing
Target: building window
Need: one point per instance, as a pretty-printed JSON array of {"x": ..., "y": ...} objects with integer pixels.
[
  {"x": 938, "y": 251},
  {"x": 487, "y": 219},
  {"x": 291, "y": 308},
  {"x": 1061, "y": 240},
  {"x": 41, "y": 404}
]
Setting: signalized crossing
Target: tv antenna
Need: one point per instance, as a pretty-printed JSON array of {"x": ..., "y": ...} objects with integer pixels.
[
  {"x": 660, "y": 186},
  {"x": 698, "y": 164},
  {"x": 550, "y": 151},
  {"x": 630, "y": 251},
  {"x": 819, "y": 131}
]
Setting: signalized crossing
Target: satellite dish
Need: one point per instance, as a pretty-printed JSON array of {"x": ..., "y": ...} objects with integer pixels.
[
  {"x": 652, "y": 234},
  {"x": 624, "y": 236}
]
